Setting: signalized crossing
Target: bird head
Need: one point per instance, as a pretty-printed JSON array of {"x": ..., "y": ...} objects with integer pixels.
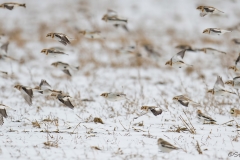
[
  {"x": 199, "y": 7},
  {"x": 105, "y": 18},
  {"x": 206, "y": 31},
  {"x": 169, "y": 63},
  {"x": 199, "y": 112},
  {"x": 49, "y": 35},
  {"x": 54, "y": 64},
  {"x": 210, "y": 91},
  {"x": 17, "y": 86},
  {"x": 175, "y": 98},
  {"x": 44, "y": 51},
  {"x": 145, "y": 108},
  {"x": 160, "y": 140},
  {"x": 104, "y": 95}
]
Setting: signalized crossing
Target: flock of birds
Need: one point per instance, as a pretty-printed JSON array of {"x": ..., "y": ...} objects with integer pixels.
[{"x": 112, "y": 17}]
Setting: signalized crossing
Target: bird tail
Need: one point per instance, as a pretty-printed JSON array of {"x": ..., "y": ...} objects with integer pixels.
[
  {"x": 225, "y": 31},
  {"x": 220, "y": 11},
  {"x": 195, "y": 103},
  {"x": 23, "y": 5},
  {"x": 72, "y": 39},
  {"x": 40, "y": 91}
]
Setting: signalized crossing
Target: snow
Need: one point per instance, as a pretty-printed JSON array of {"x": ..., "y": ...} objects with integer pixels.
[{"x": 49, "y": 130}]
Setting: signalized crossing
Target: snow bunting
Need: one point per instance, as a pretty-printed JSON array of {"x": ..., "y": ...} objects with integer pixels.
[
  {"x": 165, "y": 146},
  {"x": 155, "y": 110},
  {"x": 204, "y": 118},
  {"x": 115, "y": 20},
  {"x": 45, "y": 88},
  {"x": 62, "y": 38},
  {"x": 206, "y": 10},
  {"x": 42, "y": 87},
  {"x": 215, "y": 31},
  {"x": 151, "y": 51},
  {"x": 211, "y": 50},
  {"x": 218, "y": 89},
  {"x": 3, "y": 113},
  {"x": 185, "y": 47},
  {"x": 129, "y": 50},
  {"x": 91, "y": 35},
  {"x": 64, "y": 67},
  {"x": 114, "y": 96},
  {"x": 236, "y": 41},
  {"x": 10, "y": 5},
  {"x": 112, "y": 17},
  {"x": 65, "y": 99},
  {"x": 235, "y": 112},
  {"x": 53, "y": 52},
  {"x": 183, "y": 100},
  {"x": 236, "y": 68},
  {"x": 177, "y": 60},
  {"x": 26, "y": 92}
]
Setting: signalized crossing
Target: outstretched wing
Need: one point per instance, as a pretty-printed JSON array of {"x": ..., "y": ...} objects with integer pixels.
[
  {"x": 65, "y": 100},
  {"x": 156, "y": 111},
  {"x": 27, "y": 95},
  {"x": 219, "y": 85},
  {"x": 67, "y": 72},
  {"x": 179, "y": 56},
  {"x": 3, "y": 113},
  {"x": 183, "y": 102}
]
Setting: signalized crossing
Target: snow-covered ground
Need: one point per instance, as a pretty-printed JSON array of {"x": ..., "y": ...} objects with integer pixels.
[{"x": 49, "y": 130}]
